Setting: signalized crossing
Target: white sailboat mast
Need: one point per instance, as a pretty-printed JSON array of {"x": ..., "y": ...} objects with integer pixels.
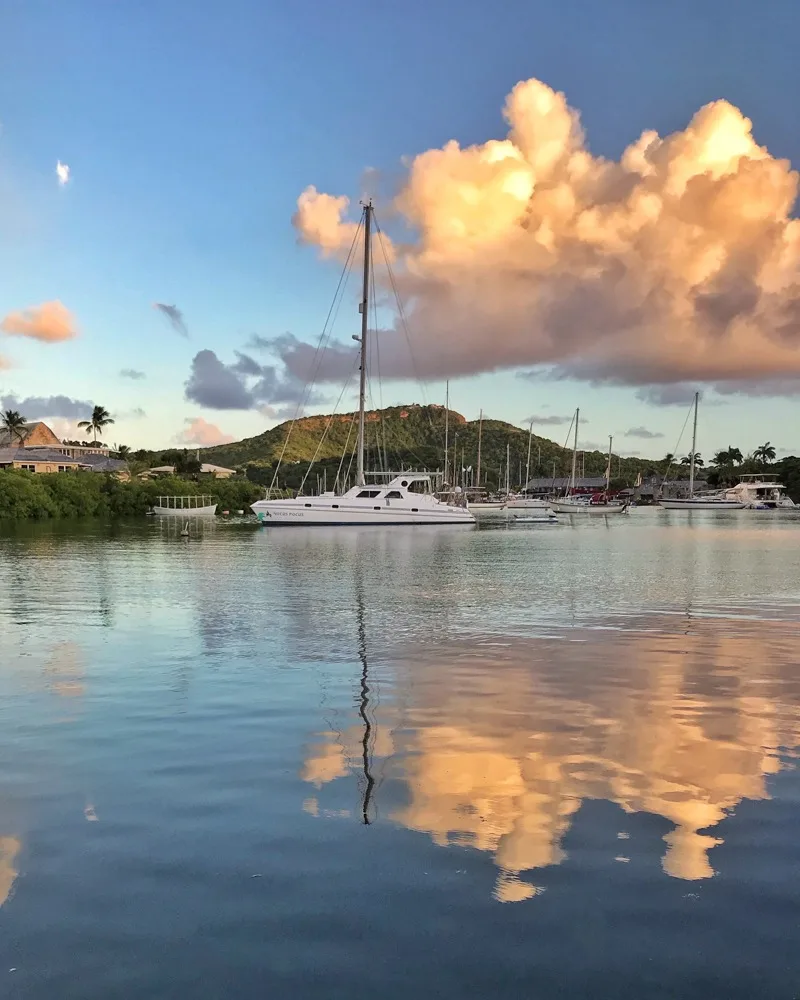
[
  {"x": 608, "y": 467},
  {"x": 694, "y": 446},
  {"x": 480, "y": 435},
  {"x": 364, "y": 310},
  {"x": 446, "y": 426},
  {"x": 528, "y": 462},
  {"x": 574, "y": 454},
  {"x": 508, "y": 469}
]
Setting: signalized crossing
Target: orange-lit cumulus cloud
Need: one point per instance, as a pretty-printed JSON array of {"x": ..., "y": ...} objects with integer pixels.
[
  {"x": 680, "y": 261},
  {"x": 204, "y": 434},
  {"x": 51, "y": 322}
]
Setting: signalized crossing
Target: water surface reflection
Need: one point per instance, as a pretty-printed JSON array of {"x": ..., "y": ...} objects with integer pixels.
[
  {"x": 497, "y": 746},
  {"x": 310, "y": 763}
]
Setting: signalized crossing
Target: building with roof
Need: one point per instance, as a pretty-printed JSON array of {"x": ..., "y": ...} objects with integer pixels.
[
  {"x": 37, "y": 434},
  {"x": 79, "y": 450},
  {"x": 206, "y": 469},
  {"x": 37, "y": 449},
  {"x": 33, "y": 435},
  {"x": 157, "y": 471},
  {"x": 38, "y": 460},
  {"x": 547, "y": 485},
  {"x": 216, "y": 471}
]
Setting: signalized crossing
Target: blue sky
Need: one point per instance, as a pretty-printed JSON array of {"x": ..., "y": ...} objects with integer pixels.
[{"x": 191, "y": 129}]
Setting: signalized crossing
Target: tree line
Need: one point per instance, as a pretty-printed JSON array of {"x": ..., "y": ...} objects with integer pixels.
[{"x": 91, "y": 494}]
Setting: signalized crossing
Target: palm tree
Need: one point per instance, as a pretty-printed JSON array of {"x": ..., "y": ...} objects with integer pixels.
[
  {"x": 765, "y": 453},
  {"x": 122, "y": 450},
  {"x": 100, "y": 418},
  {"x": 728, "y": 456},
  {"x": 14, "y": 423},
  {"x": 669, "y": 458},
  {"x": 687, "y": 459}
]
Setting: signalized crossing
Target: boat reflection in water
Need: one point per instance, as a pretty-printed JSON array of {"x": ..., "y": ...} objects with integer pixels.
[{"x": 498, "y": 745}]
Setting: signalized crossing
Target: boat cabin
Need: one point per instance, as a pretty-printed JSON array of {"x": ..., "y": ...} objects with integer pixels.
[{"x": 395, "y": 489}]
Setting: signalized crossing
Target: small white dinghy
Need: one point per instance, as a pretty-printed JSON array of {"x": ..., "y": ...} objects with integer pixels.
[{"x": 194, "y": 505}]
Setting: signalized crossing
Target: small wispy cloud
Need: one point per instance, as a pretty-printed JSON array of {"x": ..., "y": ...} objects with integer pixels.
[
  {"x": 548, "y": 420},
  {"x": 281, "y": 413},
  {"x": 50, "y": 322},
  {"x": 677, "y": 394},
  {"x": 643, "y": 433},
  {"x": 62, "y": 172},
  {"x": 37, "y": 407},
  {"x": 175, "y": 317},
  {"x": 132, "y": 373},
  {"x": 201, "y": 432}
]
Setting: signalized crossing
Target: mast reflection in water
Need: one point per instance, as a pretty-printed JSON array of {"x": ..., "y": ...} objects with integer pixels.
[{"x": 363, "y": 705}]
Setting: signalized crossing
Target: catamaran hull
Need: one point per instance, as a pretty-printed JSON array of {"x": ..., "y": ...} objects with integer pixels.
[
  {"x": 702, "y": 504},
  {"x": 588, "y": 508},
  {"x": 274, "y": 514}
]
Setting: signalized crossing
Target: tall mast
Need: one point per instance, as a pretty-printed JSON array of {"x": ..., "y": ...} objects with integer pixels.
[
  {"x": 528, "y": 462},
  {"x": 480, "y": 434},
  {"x": 694, "y": 446},
  {"x": 608, "y": 467},
  {"x": 364, "y": 310},
  {"x": 508, "y": 468},
  {"x": 446, "y": 424},
  {"x": 574, "y": 454}
]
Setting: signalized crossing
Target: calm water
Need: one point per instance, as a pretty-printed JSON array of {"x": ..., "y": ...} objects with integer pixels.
[{"x": 517, "y": 761}]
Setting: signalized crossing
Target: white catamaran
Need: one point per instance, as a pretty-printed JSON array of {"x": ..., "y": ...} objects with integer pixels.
[
  {"x": 406, "y": 499},
  {"x": 588, "y": 503},
  {"x": 761, "y": 492},
  {"x": 701, "y": 501}
]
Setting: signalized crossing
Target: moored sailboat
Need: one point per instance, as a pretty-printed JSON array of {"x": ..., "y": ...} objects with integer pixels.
[
  {"x": 589, "y": 503},
  {"x": 700, "y": 501},
  {"x": 406, "y": 499}
]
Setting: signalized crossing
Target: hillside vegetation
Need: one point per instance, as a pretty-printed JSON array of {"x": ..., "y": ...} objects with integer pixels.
[{"x": 410, "y": 435}]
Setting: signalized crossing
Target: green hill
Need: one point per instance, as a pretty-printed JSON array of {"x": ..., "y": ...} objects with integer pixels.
[{"x": 409, "y": 436}]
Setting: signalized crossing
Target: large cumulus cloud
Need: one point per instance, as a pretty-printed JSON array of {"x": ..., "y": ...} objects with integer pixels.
[{"x": 679, "y": 263}]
